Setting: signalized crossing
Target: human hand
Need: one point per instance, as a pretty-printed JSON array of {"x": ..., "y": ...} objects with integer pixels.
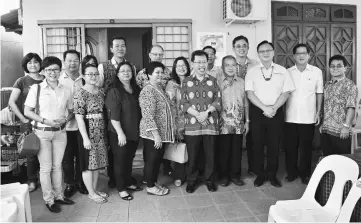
[
  {"x": 52, "y": 123},
  {"x": 205, "y": 122},
  {"x": 25, "y": 120},
  {"x": 202, "y": 116},
  {"x": 317, "y": 119},
  {"x": 345, "y": 133},
  {"x": 157, "y": 142},
  {"x": 268, "y": 112},
  {"x": 180, "y": 134},
  {"x": 122, "y": 139},
  {"x": 246, "y": 128},
  {"x": 87, "y": 144}
]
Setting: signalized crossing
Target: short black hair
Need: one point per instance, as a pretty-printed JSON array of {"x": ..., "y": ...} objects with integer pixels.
[
  {"x": 86, "y": 60},
  {"x": 71, "y": 52},
  {"x": 301, "y": 45},
  {"x": 198, "y": 53},
  {"x": 210, "y": 47},
  {"x": 119, "y": 38},
  {"x": 151, "y": 67},
  {"x": 50, "y": 60},
  {"x": 241, "y": 37},
  {"x": 228, "y": 57},
  {"x": 338, "y": 57},
  {"x": 174, "y": 74},
  {"x": 26, "y": 60},
  {"x": 265, "y": 42}
]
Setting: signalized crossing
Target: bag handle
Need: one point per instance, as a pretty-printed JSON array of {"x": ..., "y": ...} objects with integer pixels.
[{"x": 37, "y": 104}]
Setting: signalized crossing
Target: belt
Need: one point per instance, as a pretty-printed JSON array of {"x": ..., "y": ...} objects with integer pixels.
[
  {"x": 50, "y": 129},
  {"x": 94, "y": 116}
]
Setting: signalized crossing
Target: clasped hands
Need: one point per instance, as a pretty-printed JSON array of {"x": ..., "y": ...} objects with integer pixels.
[
  {"x": 57, "y": 123},
  {"x": 269, "y": 111},
  {"x": 202, "y": 118}
]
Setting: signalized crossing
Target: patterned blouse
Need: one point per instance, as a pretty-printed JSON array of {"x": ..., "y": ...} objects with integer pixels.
[
  {"x": 156, "y": 114},
  {"x": 234, "y": 102},
  {"x": 142, "y": 78},
  {"x": 339, "y": 96},
  {"x": 173, "y": 91},
  {"x": 200, "y": 95}
]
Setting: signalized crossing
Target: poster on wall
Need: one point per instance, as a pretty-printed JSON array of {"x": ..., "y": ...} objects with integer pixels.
[{"x": 215, "y": 39}]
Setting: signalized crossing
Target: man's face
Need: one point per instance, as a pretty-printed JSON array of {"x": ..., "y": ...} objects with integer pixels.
[
  {"x": 119, "y": 48},
  {"x": 211, "y": 55},
  {"x": 241, "y": 48},
  {"x": 229, "y": 67},
  {"x": 301, "y": 56},
  {"x": 265, "y": 53},
  {"x": 199, "y": 64},
  {"x": 72, "y": 62},
  {"x": 156, "y": 54},
  {"x": 337, "y": 69}
]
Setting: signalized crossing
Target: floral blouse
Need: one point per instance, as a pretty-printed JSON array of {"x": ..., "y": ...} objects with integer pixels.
[{"x": 174, "y": 94}]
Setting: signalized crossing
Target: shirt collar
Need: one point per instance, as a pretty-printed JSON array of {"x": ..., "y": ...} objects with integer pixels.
[
  {"x": 45, "y": 84},
  {"x": 115, "y": 63},
  {"x": 272, "y": 65},
  {"x": 64, "y": 75},
  {"x": 335, "y": 80},
  {"x": 248, "y": 61},
  {"x": 235, "y": 78},
  {"x": 193, "y": 75},
  {"x": 308, "y": 67}
]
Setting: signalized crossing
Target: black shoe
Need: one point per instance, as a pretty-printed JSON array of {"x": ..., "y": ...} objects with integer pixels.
[
  {"x": 55, "y": 208},
  {"x": 191, "y": 187},
  {"x": 238, "y": 181},
  {"x": 290, "y": 178},
  {"x": 211, "y": 186},
  {"x": 69, "y": 191},
  {"x": 258, "y": 181},
  {"x": 275, "y": 182},
  {"x": 225, "y": 182},
  {"x": 111, "y": 184},
  {"x": 65, "y": 201},
  {"x": 82, "y": 189},
  {"x": 250, "y": 172},
  {"x": 305, "y": 180}
]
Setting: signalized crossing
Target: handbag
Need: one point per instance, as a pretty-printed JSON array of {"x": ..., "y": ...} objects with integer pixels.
[
  {"x": 28, "y": 143},
  {"x": 176, "y": 152}
]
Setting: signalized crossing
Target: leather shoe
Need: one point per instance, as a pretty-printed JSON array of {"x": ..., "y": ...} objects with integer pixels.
[
  {"x": 69, "y": 191},
  {"x": 290, "y": 178},
  {"x": 258, "y": 181},
  {"x": 65, "y": 201},
  {"x": 82, "y": 189},
  {"x": 211, "y": 186},
  {"x": 225, "y": 182},
  {"x": 237, "y": 181},
  {"x": 305, "y": 180},
  {"x": 191, "y": 187},
  {"x": 275, "y": 182},
  {"x": 55, "y": 208}
]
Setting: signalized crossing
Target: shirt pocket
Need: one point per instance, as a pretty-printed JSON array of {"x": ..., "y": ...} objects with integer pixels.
[
  {"x": 310, "y": 85},
  {"x": 44, "y": 102}
]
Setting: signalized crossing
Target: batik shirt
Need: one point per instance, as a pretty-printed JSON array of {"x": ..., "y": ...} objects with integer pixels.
[
  {"x": 339, "y": 95},
  {"x": 234, "y": 103},
  {"x": 142, "y": 78}
]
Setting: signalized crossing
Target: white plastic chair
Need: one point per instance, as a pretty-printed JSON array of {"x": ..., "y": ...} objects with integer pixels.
[
  {"x": 355, "y": 131},
  {"x": 9, "y": 210},
  {"x": 307, "y": 209},
  {"x": 350, "y": 203}
]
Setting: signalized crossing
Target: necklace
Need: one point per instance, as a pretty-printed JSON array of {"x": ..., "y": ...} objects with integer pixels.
[{"x": 267, "y": 78}]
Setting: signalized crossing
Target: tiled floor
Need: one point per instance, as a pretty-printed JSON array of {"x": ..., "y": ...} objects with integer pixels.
[{"x": 233, "y": 203}]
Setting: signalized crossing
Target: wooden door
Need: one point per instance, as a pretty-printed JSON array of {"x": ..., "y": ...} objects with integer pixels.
[
  {"x": 146, "y": 46},
  {"x": 96, "y": 43}
]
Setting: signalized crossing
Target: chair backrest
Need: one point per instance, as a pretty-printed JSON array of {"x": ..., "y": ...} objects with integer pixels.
[
  {"x": 350, "y": 202},
  {"x": 344, "y": 168},
  {"x": 357, "y": 120}
]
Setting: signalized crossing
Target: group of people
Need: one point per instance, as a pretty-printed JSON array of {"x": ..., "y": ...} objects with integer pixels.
[{"x": 96, "y": 117}]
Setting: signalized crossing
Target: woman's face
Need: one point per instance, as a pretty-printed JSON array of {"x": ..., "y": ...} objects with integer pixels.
[
  {"x": 125, "y": 73},
  {"x": 52, "y": 73},
  {"x": 156, "y": 75},
  {"x": 181, "y": 68},
  {"x": 33, "y": 66},
  {"x": 91, "y": 75}
]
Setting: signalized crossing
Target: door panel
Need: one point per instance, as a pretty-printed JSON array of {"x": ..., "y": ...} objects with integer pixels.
[{"x": 96, "y": 43}]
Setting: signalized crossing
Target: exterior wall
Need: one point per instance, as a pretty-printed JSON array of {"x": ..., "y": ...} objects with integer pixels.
[{"x": 11, "y": 56}]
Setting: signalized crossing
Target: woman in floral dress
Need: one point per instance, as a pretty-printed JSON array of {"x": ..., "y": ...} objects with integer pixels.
[{"x": 88, "y": 110}]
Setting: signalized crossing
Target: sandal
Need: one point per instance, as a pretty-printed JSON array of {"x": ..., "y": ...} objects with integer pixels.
[
  {"x": 126, "y": 198},
  {"x": 134, "y": 188},
  {"x": 99, "y": 200},
  {"x": 156, "y": 191},
  {"x": 161, "y": 187},
  {"x": 102, "y": 194}
]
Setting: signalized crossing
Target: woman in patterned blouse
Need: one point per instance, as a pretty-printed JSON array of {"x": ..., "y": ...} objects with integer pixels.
[{"x": 156, "y": 126}]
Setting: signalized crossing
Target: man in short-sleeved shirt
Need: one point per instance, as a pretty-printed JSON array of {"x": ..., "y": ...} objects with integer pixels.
[
  {"x": 339, "y": 109},
  {"x": 303, "y": 109},
  {"x": 268, "y": 86}
]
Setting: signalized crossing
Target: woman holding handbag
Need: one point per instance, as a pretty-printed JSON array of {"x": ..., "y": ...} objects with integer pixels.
[
  {"x": 156, "y": 126},
  {"x": 52, "y": 100},
  {"x": 31, "y": 65},
  {"x": 180, "y": 70}
]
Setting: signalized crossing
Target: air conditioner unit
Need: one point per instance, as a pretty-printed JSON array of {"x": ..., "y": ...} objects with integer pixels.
[{"x": 245, "y": 11}]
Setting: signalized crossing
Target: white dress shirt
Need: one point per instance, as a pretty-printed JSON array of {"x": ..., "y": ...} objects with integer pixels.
[{"x": 301, "y": 105}]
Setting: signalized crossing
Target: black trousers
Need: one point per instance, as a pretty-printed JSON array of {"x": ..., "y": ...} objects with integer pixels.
[
  {"x": 123, "y": 157},
  {"x": 154, "y": 158},
  {"x": 266, "y": 131},
  {"x": 231, "y": 150},
  {"x": 335, "y": 145},
  {"x": 179, "y": 171},
  {"x": 249, "y": 147},
  {"x": 298, "y": 139},
  {"x": 195, "y": 146},
  {"x": 70, "y": 163}
]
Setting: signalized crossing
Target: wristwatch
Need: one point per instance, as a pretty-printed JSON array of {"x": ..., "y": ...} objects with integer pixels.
[{"x": 347, "y": 126}]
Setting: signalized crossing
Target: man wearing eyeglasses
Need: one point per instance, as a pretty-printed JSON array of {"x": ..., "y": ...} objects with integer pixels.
[
  {"x": 156, "y": 54},
  {"x": 72, "y": 80},
  {"x": 268, "y": 86},
  {"x": 338, "y": 110},
  {"x": 303, "y": 109}
]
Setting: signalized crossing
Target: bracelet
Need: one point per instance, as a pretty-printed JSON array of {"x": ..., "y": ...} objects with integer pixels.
[
  {"x": 347, "y": 126},
  {"x": 42, "y": 121},
  {"x": 66, "y": 120}
]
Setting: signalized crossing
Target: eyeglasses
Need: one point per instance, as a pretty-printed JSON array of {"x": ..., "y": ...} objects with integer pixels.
[
  {"x": 200, "y": 62},
  {"x": 336, "y": 67},
  {"x": 125, "y": 71},
  {"x": 265, "y": 51},
  {"x": 72, "y": 61},
  {"x": 301, "y": 54},
  {"x": 241, "y": 46},
  {"x": 92, "y": 74},
  {"x": 230, "y": 66},
  {"x": 50, "y": 71},
  {"x": 157, "y": 54}
]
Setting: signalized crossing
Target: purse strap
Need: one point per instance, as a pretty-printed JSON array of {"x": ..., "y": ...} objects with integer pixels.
[{"x": 37, "y": 104}]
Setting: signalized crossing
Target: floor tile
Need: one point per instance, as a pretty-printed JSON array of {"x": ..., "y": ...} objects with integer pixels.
[
  {"x": 50, "y": 220},
  {"x": 201, "y": 189},
  {"x": 168, "y": 203},
  {"x": 40, "y": 211},
  {"x": 244, "y": 219},
  {"x": 278, "y": 193},
  {"x": 113, "y": 218},
  {"x": 82, "y": 210},
  {"x": 260, "y": 207},
  {"x": 200, "y": 200},
  {"x": 180, "y": 215},
  {"x": 81, "y": 219},
  {"x": 224, "y": 189},
  {"x": 118, "y": 208},
  {"x": 206, "y": 214},
  {"x": 225, "y": 197},
  {"x": 146, "y": 204},
  {"x": 248, "y": 185},
  {"x": 175, "y": 191},
  {"x": 262, "y": 218},
  {"x": 251, "y": 195},
  {"x": 232, "y": 211},
  {"x": 149, "y": 216}
]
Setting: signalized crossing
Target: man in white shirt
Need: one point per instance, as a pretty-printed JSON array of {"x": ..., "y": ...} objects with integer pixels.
[
  {"x": 268, "y": 86},
  {"x": 303, "y": 109}
]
